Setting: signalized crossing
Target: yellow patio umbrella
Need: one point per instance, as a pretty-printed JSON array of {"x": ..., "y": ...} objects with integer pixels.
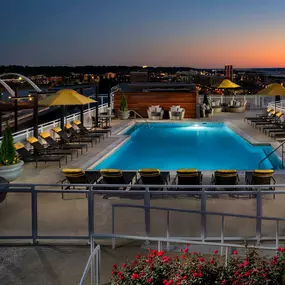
[
  {"x": 274, "y": 89},
  {"x": 66, "y": 97},
  {"x": 227, "y": 84}
]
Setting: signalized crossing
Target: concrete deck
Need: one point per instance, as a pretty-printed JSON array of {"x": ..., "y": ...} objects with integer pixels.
[
  {"x": 70, "y": 216},
  {"x": 56, "y": 265}
]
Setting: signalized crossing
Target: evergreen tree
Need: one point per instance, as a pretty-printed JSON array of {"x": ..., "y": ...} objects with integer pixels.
[
  {"x": 124, "y": 104},
  {"x": 7, "y": 149}
]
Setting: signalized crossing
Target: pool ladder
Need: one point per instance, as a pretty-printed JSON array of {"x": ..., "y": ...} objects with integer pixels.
[
  {"x": 273, "y": 151},
  {"x": 137, "y": 114}
]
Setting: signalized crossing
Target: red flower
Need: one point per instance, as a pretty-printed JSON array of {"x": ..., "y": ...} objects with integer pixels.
[
  {"x": 200, "y": 275},
  {"x": 194, "y": 252},
  {"x": 124, "y": 265},
  {"x": 114, "y": 272},
  {"x": 135, "y": 276},
  {"x": 212, "y": 260},
  {"x": 235, "y": 252},
  {"x": 215, "y": 251},
  {"x": 186, "y": 249},
  {"x": 182, "y": 256},
  {"x": 246, "y": 263},
  {"x": 160, "y": 253},
  {"x": 199, "y": 267},
  {"x": 281, "y": 249},
  {"x": 246, "y": 274},
  {"x": 149, "y": 280},
  {"x": 224, "y": 282},
  {"x": 114, "y": 265},
  {"x": 120, "y": 273},
  {"x": 185, "y": 277},
  {"x": 138, "y": 256},
  {"x": 195, "y": 274},
  {"x": 148, "y": 260},
  {"x": 122, "y": 278},
  {"x": 201, "y": 259}
]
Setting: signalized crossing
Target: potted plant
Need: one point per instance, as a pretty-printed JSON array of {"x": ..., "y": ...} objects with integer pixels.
[
  {"x": 10, "y": 165},
  {"x": 124, "y": 112},
  {"x": 207, "y": 105}
]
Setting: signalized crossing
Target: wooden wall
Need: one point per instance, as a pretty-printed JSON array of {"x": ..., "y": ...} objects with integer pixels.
[{"x": 140, "y": 101}]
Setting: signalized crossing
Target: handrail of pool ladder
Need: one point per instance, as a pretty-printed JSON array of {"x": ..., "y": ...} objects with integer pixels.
[
  {"x": 137, "y": 114},
  {"x": 273, "y": 151}
]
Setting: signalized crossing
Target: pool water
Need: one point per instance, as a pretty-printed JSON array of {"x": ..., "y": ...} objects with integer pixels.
[{"x": 204, "y": 146}]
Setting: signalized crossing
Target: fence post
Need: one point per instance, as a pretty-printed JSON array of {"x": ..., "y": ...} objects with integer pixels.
[
  {"x": 92, "y": 267},
  {"x": 147, "y": 212},
  {"x": 34, "y": 215},
  {"x": 90, "y": 212},
  {"x": 258, "y": 215},
  {"x": 203, "y": 215},
  {"x": 113, "y": 228}
]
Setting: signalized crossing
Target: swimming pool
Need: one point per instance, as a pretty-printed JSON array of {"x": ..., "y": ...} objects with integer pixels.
[{"x": 204, "y": 146}]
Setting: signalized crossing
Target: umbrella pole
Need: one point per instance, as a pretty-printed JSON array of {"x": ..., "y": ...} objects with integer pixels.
[
  {"x": 36, "y": 115},
  {"x": 62, "y": 117},
  {"x": 97, "y": 107},
  {"x": 81, "y": 114}
]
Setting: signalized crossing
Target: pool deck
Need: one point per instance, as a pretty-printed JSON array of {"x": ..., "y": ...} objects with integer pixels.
[{"x": 70, "y": 216}]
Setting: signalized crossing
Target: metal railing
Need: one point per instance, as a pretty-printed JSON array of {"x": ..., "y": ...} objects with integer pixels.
[
  {"x": 137, "y": 114},
  {"x": 92, "y": 267},
  {"x": 21, "y": 136},
  {"x": 148, "y": 197},
  {"x": 168, "y": 210},
  {"x": 254, "y": 102},
  {"x": 273, "y": 151}
]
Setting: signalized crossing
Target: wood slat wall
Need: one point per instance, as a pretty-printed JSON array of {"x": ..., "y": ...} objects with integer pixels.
[{"x": 140, "y": 101}]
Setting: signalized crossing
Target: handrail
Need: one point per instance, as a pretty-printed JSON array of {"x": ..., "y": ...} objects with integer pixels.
[
  {"x": 90, "y": 263},
  {"x": 273, "y": 151},
  {"x": 136, "y": 113}
]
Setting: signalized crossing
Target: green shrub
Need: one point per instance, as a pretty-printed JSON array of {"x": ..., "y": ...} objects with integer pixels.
[
  {"x": 7, "y": 149},
  {"x": 124, "y": 104}
]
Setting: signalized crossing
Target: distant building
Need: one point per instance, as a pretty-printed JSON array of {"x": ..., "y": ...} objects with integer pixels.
[
  {"x": 139, "y": 76},
  {"x": 109, "y": 75},
  {"x": 229, "y": 72}
]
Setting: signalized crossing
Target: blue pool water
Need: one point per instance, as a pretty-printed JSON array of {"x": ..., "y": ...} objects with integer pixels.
[{"x": 204, "y": 146}]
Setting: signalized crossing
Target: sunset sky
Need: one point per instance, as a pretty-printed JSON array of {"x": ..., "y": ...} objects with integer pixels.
[{"x": 196, "y": 33}]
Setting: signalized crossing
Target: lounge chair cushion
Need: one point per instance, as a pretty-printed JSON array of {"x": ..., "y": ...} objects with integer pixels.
[
  {"x": 73, "y": 172},
  {"x": 226, "y": 173},
  {"x": 174, "y": 109},
  {"x": 263, "y": 173},
  {"x": 149, "y": 172},
  {"x": 187, "y": 172},
  {"x": 57, "y": 129},
  {"x": 68, "y": 126},
  {"x": 45, "y": 135},
  {"x": 111, "y": 172},
  {"x": 18, "y": 145},
  {"x": 76, "y": 122},
  {"x": 158, "y": 110},
  {"x": 32, "y": 140},
  {"x": 176, "y": 114}
]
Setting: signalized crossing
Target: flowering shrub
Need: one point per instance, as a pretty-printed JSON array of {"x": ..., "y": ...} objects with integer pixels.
[{"x": 156, "y": 268}]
